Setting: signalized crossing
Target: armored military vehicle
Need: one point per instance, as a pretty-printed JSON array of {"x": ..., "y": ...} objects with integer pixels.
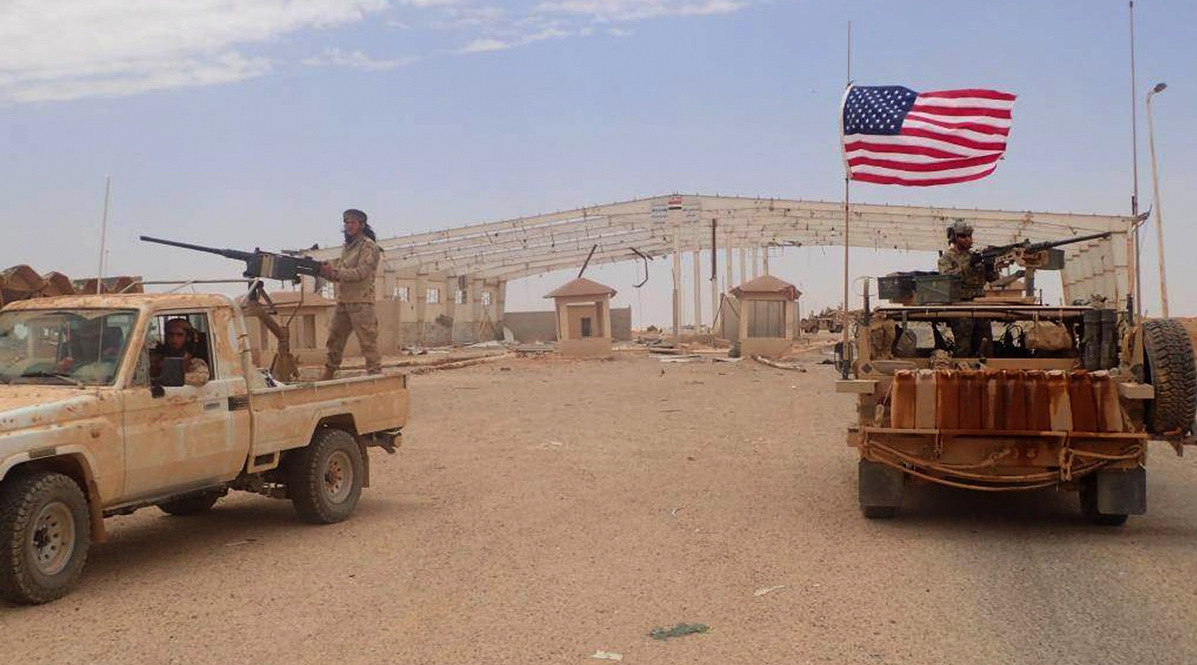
[{"x": 1046, "y": 396}]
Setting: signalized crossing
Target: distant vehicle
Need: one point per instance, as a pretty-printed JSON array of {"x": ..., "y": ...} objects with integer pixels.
[
  {"x": 97, "y": 436},
  {"x": 829, "y": 319}
]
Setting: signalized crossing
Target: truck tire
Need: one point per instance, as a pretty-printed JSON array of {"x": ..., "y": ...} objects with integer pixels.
[
  {"x": 194, "y": 504},
  {"x": 45, "y": 532},
  {"x": 324, "y": 480},
  {"x": 1171, "y": 371}
]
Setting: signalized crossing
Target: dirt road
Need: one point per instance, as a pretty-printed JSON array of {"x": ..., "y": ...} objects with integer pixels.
[{"x": 554, "y": 509}]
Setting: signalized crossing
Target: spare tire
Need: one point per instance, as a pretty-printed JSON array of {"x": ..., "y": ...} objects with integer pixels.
[{"x": 1172, "y": 372}]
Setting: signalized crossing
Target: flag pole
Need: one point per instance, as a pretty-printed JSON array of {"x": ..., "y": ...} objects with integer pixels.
[
  {"x": 1138, "y": 272},
  {"x": 847, "y": 352}
]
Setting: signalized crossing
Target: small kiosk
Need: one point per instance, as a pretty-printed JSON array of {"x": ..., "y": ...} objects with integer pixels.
[
  {"x": 583, "y": 318},
  {"x": 768, "y": 308}
]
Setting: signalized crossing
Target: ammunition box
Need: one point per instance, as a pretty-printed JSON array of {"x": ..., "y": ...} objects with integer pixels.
[{"x": 937, "y": 289}]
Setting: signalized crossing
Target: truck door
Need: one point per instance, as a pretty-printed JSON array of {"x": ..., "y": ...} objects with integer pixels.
[{"x": 183, "y": 438}]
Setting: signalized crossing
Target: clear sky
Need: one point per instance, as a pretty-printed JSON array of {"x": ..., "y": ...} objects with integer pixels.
[{"x": 255, "y": 122}]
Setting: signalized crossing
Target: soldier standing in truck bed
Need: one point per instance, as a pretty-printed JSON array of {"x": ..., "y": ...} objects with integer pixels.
[
  {"x": 354, "y": 274},
  {"x": 960, "y": 259}
]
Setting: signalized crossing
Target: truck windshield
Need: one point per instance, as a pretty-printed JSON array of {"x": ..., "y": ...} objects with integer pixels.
[{"x": 64, "y": 346}]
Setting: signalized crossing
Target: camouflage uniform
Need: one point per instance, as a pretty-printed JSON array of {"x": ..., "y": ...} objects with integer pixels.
[
  {"x": 954, "y": 261},
  {"x": 354, "y": 274}
]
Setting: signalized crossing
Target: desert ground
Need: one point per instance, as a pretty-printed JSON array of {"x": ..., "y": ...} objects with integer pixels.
[{"x": 541, "y": 510}]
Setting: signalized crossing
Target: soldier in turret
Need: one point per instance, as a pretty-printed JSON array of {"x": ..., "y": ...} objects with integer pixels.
[{"x": 960, "y": 259}]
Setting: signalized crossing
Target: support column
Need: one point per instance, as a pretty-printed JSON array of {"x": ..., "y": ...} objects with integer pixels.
[
  {"x": 677, "y": 282},
  {"x": 727, "y": 259},
  {"x": 765, "y": 252},
  {"x": 605, "y": 308},
  {"x": 714, "y": 289},
  {"x": 421, "y": 305},
  {"x": 756, "y": 262},
  {"x": 696, "y": 257},
  {"x": 743, "y": 265}
]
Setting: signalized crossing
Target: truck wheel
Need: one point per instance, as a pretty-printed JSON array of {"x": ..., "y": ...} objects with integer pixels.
[
  {"x": 45, "y": 532},
  {"x": 880, "y": 489},
  {"x": 190, "y": 505},
  {"x": 1089, "y": 506},
  {"x": 1171, "y": 371},
  {"x": 325, "y": 479}
]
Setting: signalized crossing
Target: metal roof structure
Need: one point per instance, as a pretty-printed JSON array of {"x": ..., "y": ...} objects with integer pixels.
[{"x": 676, "y": 223}]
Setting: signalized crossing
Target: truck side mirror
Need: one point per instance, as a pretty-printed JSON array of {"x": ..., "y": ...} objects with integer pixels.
[{"x": 172, "y": 373}]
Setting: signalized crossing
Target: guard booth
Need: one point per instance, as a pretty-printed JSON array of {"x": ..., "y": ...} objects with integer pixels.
[
  {"x": 583, "y": 318},
  {"x": 768, "y": 309}
]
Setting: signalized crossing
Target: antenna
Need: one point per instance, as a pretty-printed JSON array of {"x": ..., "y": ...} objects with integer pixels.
[{"x": 104, "y": 234}]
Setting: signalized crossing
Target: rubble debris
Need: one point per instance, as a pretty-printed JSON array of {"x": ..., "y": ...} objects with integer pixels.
[
  {"x": 456, "y": 364},
  {"x": 488, "y": 344},
  {"x": 724, "y": 359},
  {"x": 690, "y": 358},
  {"x": 607, "y": 655},
  {"x": 779, "y": 364},
  {"x": 525, "y": 349},
  {"x": 769, "y": 589},
  {"x": 679, "y": 630}
]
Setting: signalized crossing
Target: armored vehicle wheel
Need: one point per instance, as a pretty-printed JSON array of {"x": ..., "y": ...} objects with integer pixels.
[
  {"x": 1109, "y": 495},
  {"x": 324, "y": 480},
  {"x": 190, "y": 505},
  {"x": 1171, "y": 371},
  {"x": 879, "y": 512},
  {"x": 45, "y": 533},
  {"x": 1089, "y": 507},
  {"x": 880, "y": 488}
]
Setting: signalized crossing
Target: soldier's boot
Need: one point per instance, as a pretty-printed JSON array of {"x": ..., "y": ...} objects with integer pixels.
[{"x": 328, "y": 374}]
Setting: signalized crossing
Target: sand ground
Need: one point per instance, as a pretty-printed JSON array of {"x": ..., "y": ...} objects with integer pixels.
[{"x": 541, "y": 510}]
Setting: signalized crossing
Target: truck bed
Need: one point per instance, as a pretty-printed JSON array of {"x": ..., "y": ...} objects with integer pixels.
[{"x": 284, "y": 417}]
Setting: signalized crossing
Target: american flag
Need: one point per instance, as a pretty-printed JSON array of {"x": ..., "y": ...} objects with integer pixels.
[{"x": 896, "y": 136}]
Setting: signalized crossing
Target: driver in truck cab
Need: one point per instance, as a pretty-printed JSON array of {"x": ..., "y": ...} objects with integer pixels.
[{"x": 181, "y": 342}]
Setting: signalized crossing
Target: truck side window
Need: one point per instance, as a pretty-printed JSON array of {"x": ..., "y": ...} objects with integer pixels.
[{"x": 198, "y": 344}]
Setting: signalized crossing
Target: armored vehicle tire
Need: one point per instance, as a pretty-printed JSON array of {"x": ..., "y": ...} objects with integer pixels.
[
  {"x": 1171, "y": 371},
  {"x": 1089, "y": 507},
  {"x": 880, "y": 488},
  {"x": 879, "y": 512},
  {"x": 324, "y": 480},
  {"x": 190, "y": 505},
  {"x": 45, "y": 532}
]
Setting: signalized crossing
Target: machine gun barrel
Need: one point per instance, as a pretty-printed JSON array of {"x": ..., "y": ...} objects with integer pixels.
[
  {"x": 227, "y": 253},
  {"x": 258, "y": 264},
  {"x": 1029, "y": 247}
]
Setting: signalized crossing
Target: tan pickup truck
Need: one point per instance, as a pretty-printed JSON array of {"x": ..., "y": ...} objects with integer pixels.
[{"x": 93, "y": 424}]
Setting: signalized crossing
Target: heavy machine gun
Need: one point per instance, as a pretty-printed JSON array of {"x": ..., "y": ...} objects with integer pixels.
[
  {"x": 258, "y": 264},
  {"x": 1031, "y": 254}
]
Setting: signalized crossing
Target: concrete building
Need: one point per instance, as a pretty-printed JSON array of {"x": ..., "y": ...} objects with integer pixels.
[
  {"x": 768, "y": 314},
  {"x": 583, "y": 318}
]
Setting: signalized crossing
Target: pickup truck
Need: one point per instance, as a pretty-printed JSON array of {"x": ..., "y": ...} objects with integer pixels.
[{"x": 93, "y": 425}]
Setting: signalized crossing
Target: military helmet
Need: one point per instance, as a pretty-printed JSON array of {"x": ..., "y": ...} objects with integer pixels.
[{"x": 959, "y": 228}]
